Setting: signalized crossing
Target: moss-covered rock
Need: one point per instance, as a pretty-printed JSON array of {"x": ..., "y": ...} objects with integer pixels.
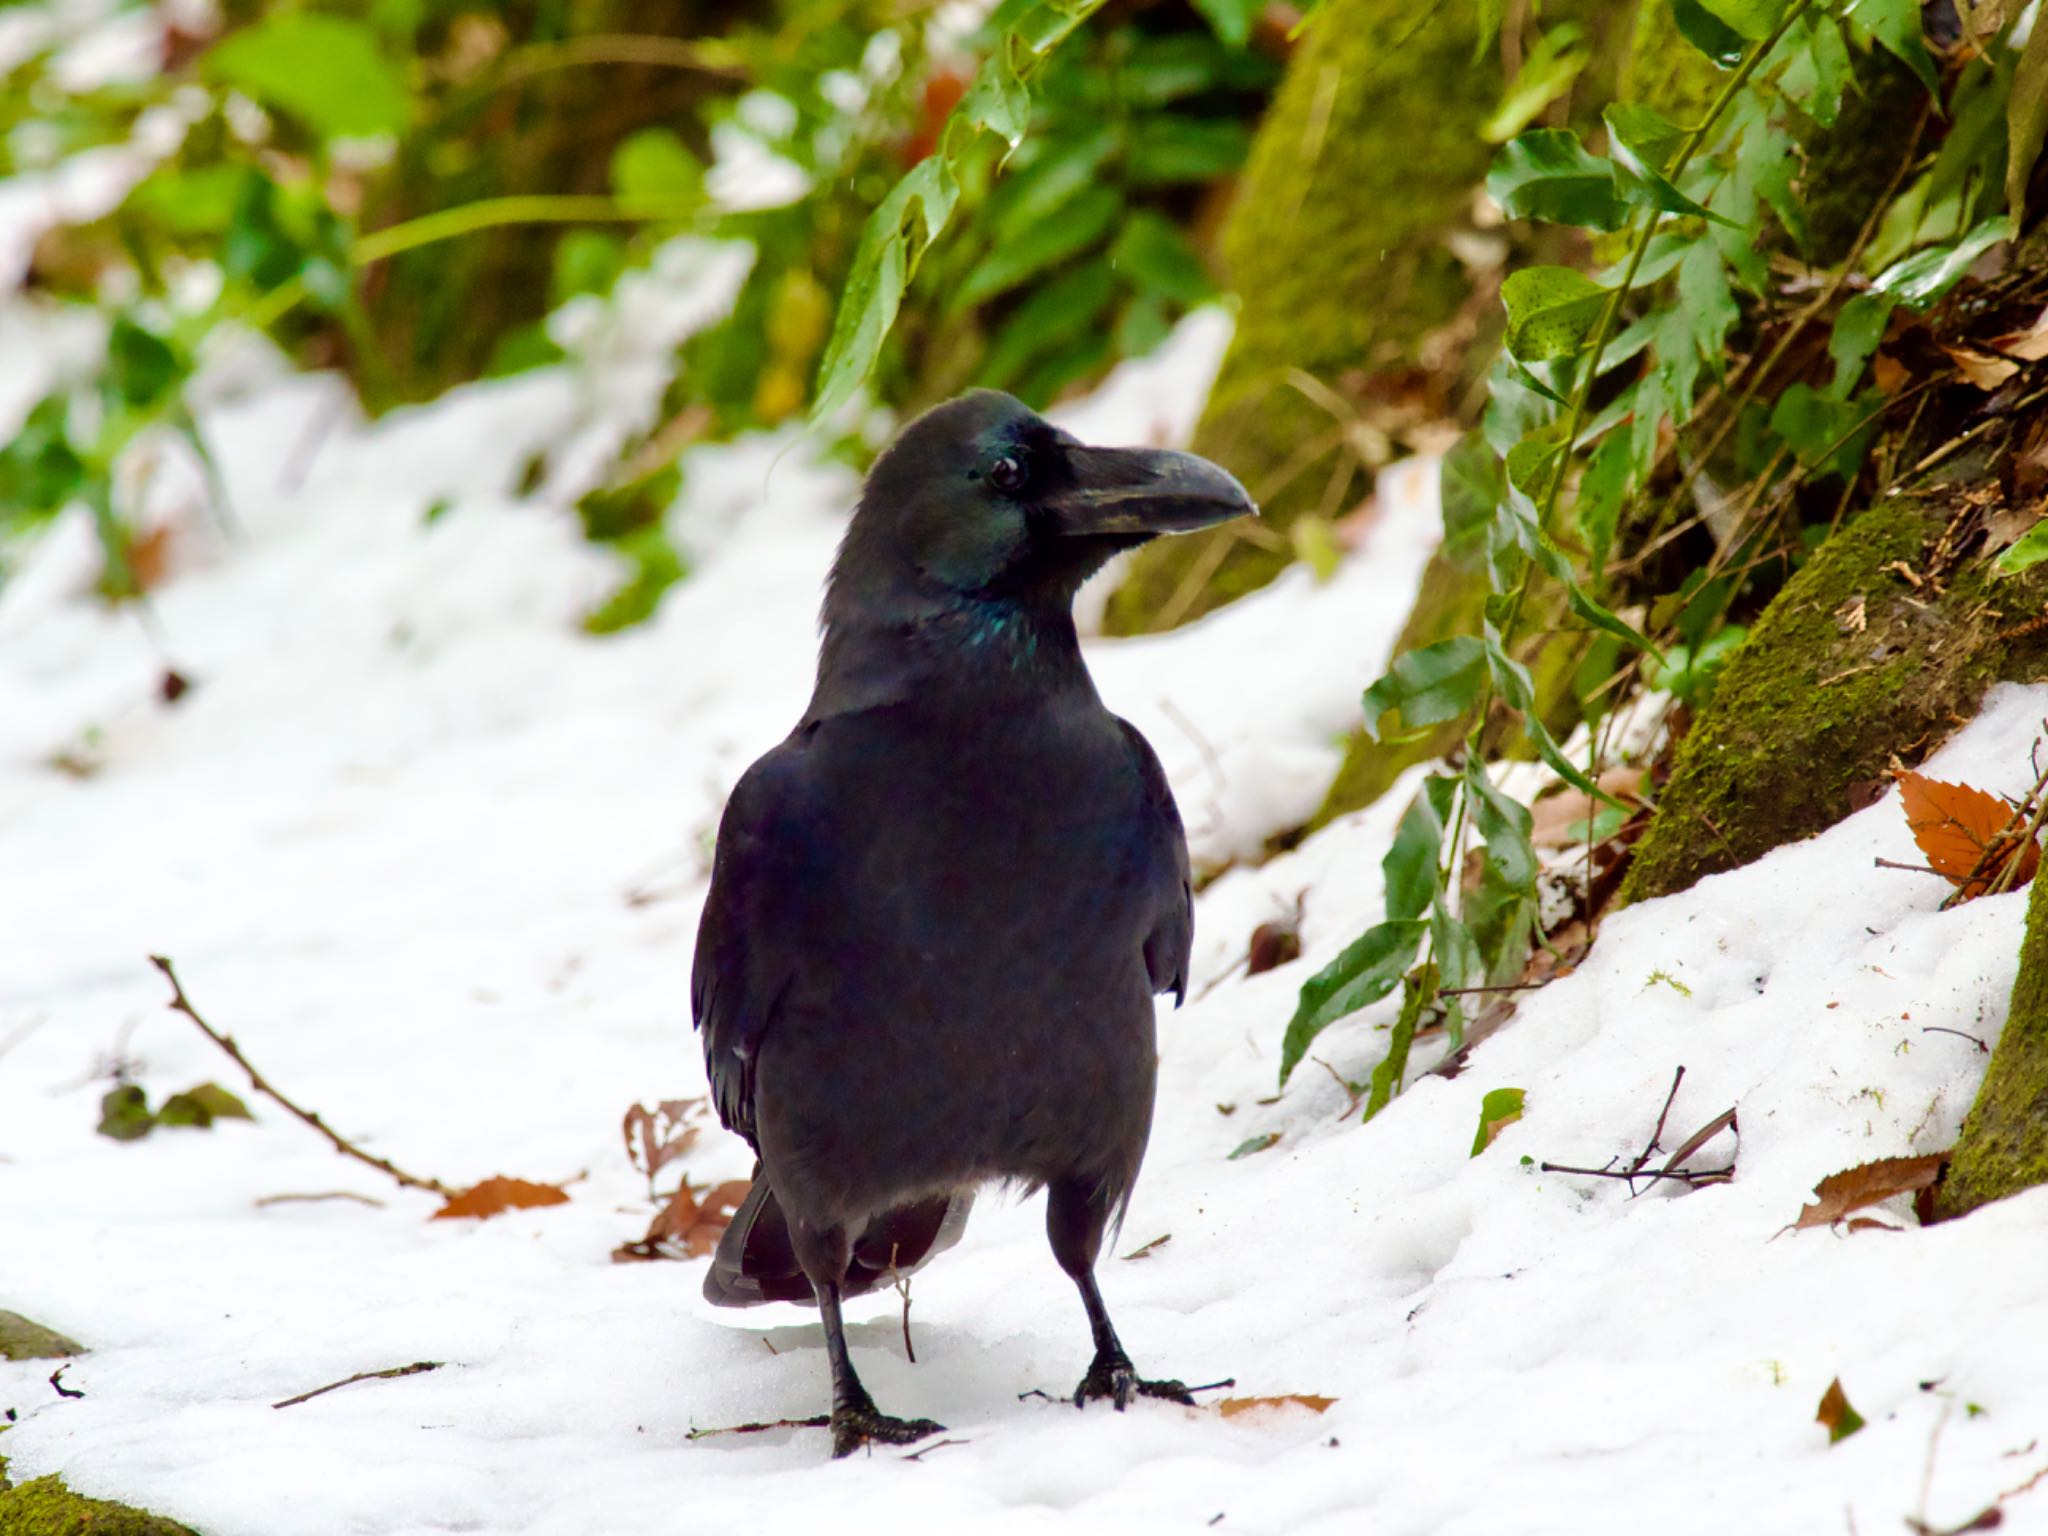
[
  {"x": 22, "y": 1339},
  {"x": 2004, "y": 1145},
  {"x": 45, "y": 1507},
  {"x": 1850, "y": 665}
]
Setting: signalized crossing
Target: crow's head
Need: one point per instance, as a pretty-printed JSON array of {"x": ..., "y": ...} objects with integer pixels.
[{"x": 981, "y": 499}]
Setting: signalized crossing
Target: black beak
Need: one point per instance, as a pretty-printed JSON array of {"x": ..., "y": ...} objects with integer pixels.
[{"x": 1144, "y": 491}]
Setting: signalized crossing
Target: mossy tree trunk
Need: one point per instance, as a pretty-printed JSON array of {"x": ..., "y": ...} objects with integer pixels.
[{"x": 2004, "y": 1145}]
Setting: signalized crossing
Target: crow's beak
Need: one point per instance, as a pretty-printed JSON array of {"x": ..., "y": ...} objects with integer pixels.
[{"x": 1145, "y": 491}]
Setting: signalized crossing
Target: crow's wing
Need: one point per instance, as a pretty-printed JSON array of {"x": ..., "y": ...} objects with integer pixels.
[
  {"x": 1172, "y": 934},
  {"x": 748, "y": 941}
]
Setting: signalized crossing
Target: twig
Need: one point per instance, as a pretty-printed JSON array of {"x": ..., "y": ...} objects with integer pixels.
[
  {"x": 1147, "y": 1248},
  {"x": 181, "y": 1004},
  {"x": 332, "y": 1194},
  {"x": 1643, "y": 1157},
  {"x": 1355, "y": 1095},
  {"x": 1215, "y": 1386},
  {"x": 936, "y": 1445},
  {"x": 1693, "y": 1177},
  {"x": 1943, "y": 1029},
  {"x": 1911, "y": 869},
  {"x": 348, "y": 1381},
  {"x": 902, "y": 1282},
  {"x": 56, "y": 1380},
  {"x": 1948, "y": 448},
  {"x": 818, "y": 1421}
]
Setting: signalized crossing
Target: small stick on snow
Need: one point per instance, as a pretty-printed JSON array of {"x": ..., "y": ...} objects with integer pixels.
[
  {"x": 821, "y": 1421},
  {"x": 348, "y": 1381},
  {"x": 181, "y": 1004},
  {"x": 331, "y": 1194},
  {"x": 1643, "y": 1158},
  {"x": 902, "y": 1283},
  {"x": 936, "y": 1445}
]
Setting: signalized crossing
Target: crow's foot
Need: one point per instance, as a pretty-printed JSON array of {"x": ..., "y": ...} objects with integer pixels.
[
  {"x": 1114, "y": 1377},
  {"x": 861, "y": 1424}
]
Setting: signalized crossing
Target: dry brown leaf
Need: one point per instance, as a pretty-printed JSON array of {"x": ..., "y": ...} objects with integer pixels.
[
  {"x": 689, "y": 1226},
  {"x": 1866, "y": 1184},
  {"x": 1888, "y": 373},
  {"x": 495, "y": 1196},
  {"x": 1957, "y": 825},
  {"x": 1231, "y": 1407},
  {"x": 1981, "y": 368},
  {"x": 2030, "y": 345},
  {"x": 1554, "y": 817},
  {"x": 1836, "y": 1416},
  {"x": 657, "y": 1137}
]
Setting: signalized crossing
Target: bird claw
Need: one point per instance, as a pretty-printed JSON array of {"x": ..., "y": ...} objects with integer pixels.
[
  {"x": 855, "y": 1427},
  {"x": 1117, "y": 1379}
]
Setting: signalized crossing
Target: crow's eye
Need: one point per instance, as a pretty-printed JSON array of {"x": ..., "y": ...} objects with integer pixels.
[{"x": 1007, "y": 474}]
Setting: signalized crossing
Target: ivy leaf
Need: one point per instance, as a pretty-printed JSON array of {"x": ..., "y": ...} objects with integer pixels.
[
  {"x": 2026, "y": 120},
  {"x": 1552, "y": 312},
  {"x": 1707, "y": 32},
  {"x": 324, "y": 70},
  {"x": 1753, "y": 19},
  {"x": 1895, "y": 26},
  {"x": 1428, "y": 686},
  {"x": 1548, "y": 174},
  {"x": 1367, "y": 971},
  {"x": 1923, "y": 277}
]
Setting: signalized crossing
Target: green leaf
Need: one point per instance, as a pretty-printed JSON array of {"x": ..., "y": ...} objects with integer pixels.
[
  {"x": 1546, "y": 173},
  {"x": 124, "y": 1114},
  {"x": 1689, "y": 672},
  {"x": 896, "y": 233},
  {"x": 1428, "y": 686},
  {"x": 1820, "y": 71},
  {"x": 1367, "y": 971},
  {"x": 324, "y": 70},
  {"x": 1155, "y": 257},
  {"x": 1533, "y": 461},
  {"x": 1231, "y": 20},
  {"x": 1077, "y": 226},
  {"x": 1412, "y": 870},
  {"x": 141, "y": 368},
  {"x": 1707, "y": 32},
  {"x": 1552, "y": 312},
  {"x": 1926, "y": 275},
  {"x": 1500, "y": 1107},
  {"x": 998, "y": 99},
  {"x": 1418, "y": 990},
  {"x": 1827, "y": 435},
  {"x": 656, "y": 166},
  {"x": 1512, "y": 680},
  {"x": 1647, "y": 146},
  {"x": 1753, "y": 19},
  {"x": 2026, "y": 120},
  {"x": 1505, "y": 823},
  {"x": 1252, "y": 1144},
  {"x": 1895, "y": 25},
  {"x": 1546, "y": 74},
  {"x": 2027, "y": 552},
  {"x": 1859, "y": 327},
  {"x": 199, "y": 1107},
  {"x": 1060, "y": 170},
  {"x": 1602, "y": 489},
  {"x": 1166, "y": 147}
]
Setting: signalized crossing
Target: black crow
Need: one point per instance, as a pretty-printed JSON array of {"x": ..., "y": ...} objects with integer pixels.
[{"x": 941, "y": 907}]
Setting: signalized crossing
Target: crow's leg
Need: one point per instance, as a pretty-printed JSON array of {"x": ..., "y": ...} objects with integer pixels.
[
  {"x": 855, "y": 1419},
  {"x": 1075, "y": 1216}
]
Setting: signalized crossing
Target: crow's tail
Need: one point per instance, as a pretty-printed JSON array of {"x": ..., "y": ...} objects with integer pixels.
[{"x": 756, "y": 1261}]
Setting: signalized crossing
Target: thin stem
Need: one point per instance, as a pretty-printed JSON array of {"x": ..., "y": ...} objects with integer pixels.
[{"x": 497, "y": 212}]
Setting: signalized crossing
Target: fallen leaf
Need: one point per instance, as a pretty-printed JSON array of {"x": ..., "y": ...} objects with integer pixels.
[
  {"x": 497, "y": 1195},
  {"x": 201, "y": 1106},
  {"x": 688, "y": 1226},
  {"x": 1867, "y": 1184},
  {"x": 1497, "y": 1111},
  {"x": 1273, "y": 944},
  {"x": 1840, "y": 1419},
  {"x": 1967, "y": 835},
  {"x": 1231, "y": 1407},
  {"x": 2030, "y": 345},
  {"x": 1888, "y": 373},
  {"x": 1560, "y": 820},
  {"x": 1252, "y": 1144},
  {"x": 125, "y": 1113},
  {"x": 1981, "y": 368}
]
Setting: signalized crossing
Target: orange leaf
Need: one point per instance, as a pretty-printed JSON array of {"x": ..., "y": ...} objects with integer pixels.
[
  {"x": 689, "y": 1226},
  {"x": 2030, "y": 345},
  {"x": 1231, "y": 1407},
  {"x": 1836, "y": 1416},
  {"x": 495, "y": 1196},
  {"x": 1956, "y": 825},
  {"x": 1867, "y": 1184}
]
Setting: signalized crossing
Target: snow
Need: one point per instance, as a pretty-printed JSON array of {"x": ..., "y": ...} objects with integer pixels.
[{"x": 390, "y": 839}]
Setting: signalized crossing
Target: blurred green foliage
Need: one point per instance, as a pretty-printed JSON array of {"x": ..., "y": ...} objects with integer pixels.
[{"x": 405, "y": 190}]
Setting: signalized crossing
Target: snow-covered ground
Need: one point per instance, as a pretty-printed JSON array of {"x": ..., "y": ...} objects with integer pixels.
[{"x": 434, "y": 857}]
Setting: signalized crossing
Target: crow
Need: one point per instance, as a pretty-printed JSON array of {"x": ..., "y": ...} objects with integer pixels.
[{"x": 940, "y": 909}]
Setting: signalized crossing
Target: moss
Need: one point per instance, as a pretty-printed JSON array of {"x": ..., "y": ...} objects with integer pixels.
[
  {"x": 2004, "y": 1145},
  {"x": 1812, "y": 702},
  {"x": 22, "y": 1339},
  {"x": 45, "y": 1507}
]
